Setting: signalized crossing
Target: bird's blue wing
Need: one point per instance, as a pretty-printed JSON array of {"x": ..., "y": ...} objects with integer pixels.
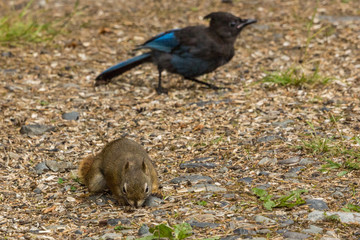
[{"x": 164, "y": 42}]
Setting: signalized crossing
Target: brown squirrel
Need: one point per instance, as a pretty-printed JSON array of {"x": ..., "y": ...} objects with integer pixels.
[{"x": 125, "y": 168}]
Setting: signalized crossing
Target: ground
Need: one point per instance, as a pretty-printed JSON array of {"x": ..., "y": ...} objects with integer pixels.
[{"x": 250, "y": 135}]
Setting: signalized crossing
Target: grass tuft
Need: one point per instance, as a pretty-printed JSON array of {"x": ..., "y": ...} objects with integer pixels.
[
  {"x": 25, "y": 26},
  {"x": 290, "y": 200},
  {"x": 296, "y": 77},
  {"x": 337, "y": 153}
]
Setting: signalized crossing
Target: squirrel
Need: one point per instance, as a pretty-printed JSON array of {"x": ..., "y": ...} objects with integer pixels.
[{"x": 125, "y": 168}]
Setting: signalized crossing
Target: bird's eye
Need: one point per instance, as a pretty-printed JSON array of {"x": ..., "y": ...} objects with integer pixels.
[{"x": 232, "y": 24}]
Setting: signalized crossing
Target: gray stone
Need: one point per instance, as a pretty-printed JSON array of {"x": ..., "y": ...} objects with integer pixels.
[
  {"x": 192, "y": 178},
  {"x": 37, "y": 190},
  {"x": 152, "y": 201},
  {"x": 264, "y": 186},
  {"x": 100, "y": 200},
  {"x": 14, "y": 156},
  {"x": 296, "y": 169},
  {"x": 267, "y": 161},
  {"x": 223, "y": 170},
  {"x": 291, "y": 160},
  {"x": 9, "y": 71},
  {"x": 56, "y": 166},
  {"x": 7, "y": 54},
  {"x": 241, "y": 231},
  {"x": 313, "y": 230},
  {"x": 305, "y": 161},
  {"x": 160, "y": 212},
  {"x": 40, "y": 168},
  {"x": 263, "y": 231},
  {"x": 12, "y": 88},
  {"x": 203, "y": 187},
  {"x": 264, "y": 173},
  {"x": 296, "y": 235},
  {"x": 231, "y": 238},
  {"x": 284, "y": 123},
  {"x": 144, "y": 230},
  {"x": 71, "y": 116},
  {"x": 281, "y": 231},
  {"x": 112, "y": 236},
  {"x": 247, "y": 180},
  {"x": 317, "y": 204},
  {"x": 287, "y": 222},
  {"x": 224, "y": 203},
  {"x": 345, "y": 217},
  {"x": 36, "y": 129},
  {"x": 290, "y": 175},
  {"x": 262, "y": 219},
  {"x": 198, "y": 163},
  {"x": 113, "y": 222},
  {"x": 194, "y": 223},
  {"x": 338, "y": 195},
  {"x": 267, "y": 138}
]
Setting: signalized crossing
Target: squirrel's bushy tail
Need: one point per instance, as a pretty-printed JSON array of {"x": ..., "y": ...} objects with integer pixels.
[
  {"x": 90, "y": 174},
  {"x": 84, "y": 168}
]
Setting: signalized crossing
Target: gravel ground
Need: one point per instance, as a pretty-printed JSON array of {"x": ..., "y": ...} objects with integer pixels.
[{"x": 211, "y": 148}]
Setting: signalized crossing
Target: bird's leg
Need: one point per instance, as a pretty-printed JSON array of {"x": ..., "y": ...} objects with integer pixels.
[
  {"x": 205, "y": 83},
  {"x": 160, "y": 89}
]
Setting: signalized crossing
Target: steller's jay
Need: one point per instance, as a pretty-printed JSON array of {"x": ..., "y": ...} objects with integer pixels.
[{"x": 189, "y": 52}]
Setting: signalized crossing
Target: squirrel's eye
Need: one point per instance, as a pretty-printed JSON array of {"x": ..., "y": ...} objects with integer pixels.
[
  {"x": 146, "y": 188},
  {"x": 124, "y": 188},
  {"x": 232, "y": 24}
]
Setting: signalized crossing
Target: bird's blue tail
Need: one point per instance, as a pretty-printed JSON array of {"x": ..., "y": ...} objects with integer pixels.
[{"x": 120, "y": 68}]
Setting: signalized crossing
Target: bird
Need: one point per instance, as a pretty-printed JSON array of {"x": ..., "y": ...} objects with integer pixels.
[{"x": 190, "y": 51}]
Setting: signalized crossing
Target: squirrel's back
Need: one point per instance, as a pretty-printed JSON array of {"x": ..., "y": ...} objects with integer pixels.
[{"x": 124, "y": 167}]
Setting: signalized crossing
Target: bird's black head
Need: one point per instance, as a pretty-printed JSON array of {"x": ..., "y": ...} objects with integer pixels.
[{"x": 226, "y": 25}]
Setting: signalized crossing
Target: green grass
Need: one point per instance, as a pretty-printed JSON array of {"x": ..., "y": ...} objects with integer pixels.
[
  {"x": 201, "y": 203},
  {"x": 299, "y": 74},
  {"x": 176, "y": 232},
  {"x": 288, "y": 201},
  {"x": 296, "y": 77},
  {"x": 31, "y": 26},
  {"x": 61, "y": 180},
  {"x": 351, "y": 207},
  {"x": 338, "y": 154}
]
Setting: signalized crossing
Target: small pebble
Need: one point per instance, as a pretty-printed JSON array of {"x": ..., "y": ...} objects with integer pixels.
[{"x": 71, "y": 116}]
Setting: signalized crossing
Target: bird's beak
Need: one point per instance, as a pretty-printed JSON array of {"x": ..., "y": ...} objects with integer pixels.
[{"x": 246, "y": 22}]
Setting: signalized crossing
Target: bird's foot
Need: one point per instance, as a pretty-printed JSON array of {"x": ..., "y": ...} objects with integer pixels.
[{"x": 161, "y": 90}]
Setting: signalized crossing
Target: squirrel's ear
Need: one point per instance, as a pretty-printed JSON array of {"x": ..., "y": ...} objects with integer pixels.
[
  {"x": 144, "y": 165},
  {"x": 127, "y": 165}
]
